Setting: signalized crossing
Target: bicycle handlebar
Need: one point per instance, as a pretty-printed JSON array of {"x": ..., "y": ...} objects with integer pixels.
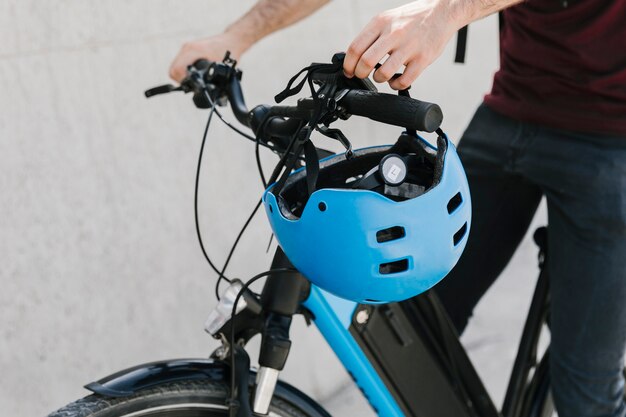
[
  {"x": 223, "y": 82},
  {"x": 237, "y": 103},
  {"x": 394, "y": 110}
]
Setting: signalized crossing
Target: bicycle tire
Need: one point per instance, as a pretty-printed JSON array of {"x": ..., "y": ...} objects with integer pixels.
[{"x": 187, "y": 398}]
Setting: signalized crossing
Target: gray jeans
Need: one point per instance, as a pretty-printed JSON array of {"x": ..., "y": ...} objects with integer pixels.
[{"x": 510, "y": 166}]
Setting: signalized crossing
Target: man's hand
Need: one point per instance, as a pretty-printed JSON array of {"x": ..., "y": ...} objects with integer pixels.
[
  {"x": 213, "y": 49},
  {"x": 413, "y": 35},
  {"x": 265, "y": 17}
]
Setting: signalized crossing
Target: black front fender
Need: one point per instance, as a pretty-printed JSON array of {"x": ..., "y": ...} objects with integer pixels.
[{"x": 129, "y": 381}]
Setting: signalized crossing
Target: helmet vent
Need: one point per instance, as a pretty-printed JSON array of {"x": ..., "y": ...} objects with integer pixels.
[
  {"x": 460, "y": 234},
  {"x": 454, "y": 203},
  {"x": 389, "y": 234},
  {"x": 394, "y": 267}
]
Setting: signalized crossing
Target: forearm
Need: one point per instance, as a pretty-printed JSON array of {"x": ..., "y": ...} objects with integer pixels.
[
  {"x": 265, "y": 17},
  {"x": 268, "y": 16},
  {"x": 464, "y": 12}
]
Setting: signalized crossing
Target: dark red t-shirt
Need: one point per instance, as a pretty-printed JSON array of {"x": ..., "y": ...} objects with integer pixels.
[{"x": 563, "y": 65}]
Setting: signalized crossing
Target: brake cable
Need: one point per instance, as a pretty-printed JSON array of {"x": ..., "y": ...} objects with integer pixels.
[
  {"x": 195, "y": 195},
  {"x": 221, "y": 274}
]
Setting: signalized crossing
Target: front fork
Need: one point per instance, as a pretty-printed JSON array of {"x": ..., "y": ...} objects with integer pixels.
[
  {"x": 275, "y": 346},
  {"x": 281, "y": 298}
]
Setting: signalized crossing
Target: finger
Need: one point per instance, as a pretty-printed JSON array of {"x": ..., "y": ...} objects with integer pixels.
[
  {"x": 359, "y": 45},
  {"x": 178, "y": 69},
  {"x": 391, "y": 66},
  {"x": 177, "y": 72},
  {"x": 413, "y": 70},
  {"x": 371, "y": 57}
]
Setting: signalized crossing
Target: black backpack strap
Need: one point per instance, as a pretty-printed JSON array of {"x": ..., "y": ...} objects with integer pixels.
[
  {"x": 461, "y": 45},
  {"x": 461, "y": 39}
]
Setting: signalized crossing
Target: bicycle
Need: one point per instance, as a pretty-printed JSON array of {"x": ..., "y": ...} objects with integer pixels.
[{"x": 404, "y": 356}]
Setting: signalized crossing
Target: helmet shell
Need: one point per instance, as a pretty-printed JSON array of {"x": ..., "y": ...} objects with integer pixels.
[{"x": 334, "y": 242}]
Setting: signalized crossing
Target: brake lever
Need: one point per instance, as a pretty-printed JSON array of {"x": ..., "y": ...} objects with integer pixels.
[
  {"x": 199, "y": 98},
  {"x": 196, "y": 82},
  {"x": 162, "y": 89}
]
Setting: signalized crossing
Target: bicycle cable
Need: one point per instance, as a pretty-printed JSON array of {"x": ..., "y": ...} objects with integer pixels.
[
  {"x": 232, "y": 249},
  {"x": 195, "y": 197},
  {"x": 258, "y": 161},
  {"x": 221, "y": 274},
  {"x": 245, "y": 226}
]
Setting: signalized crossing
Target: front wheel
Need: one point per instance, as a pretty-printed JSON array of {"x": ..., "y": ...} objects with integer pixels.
[{"x": 193, "y": 398}]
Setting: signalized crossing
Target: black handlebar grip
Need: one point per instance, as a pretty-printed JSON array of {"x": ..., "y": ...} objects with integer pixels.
[{"x": 394, "y": 110}]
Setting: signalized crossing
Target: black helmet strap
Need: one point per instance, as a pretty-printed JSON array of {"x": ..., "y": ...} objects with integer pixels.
[
  {"x": 301, "y": 142},
  {"x": 407, "y": 145}
]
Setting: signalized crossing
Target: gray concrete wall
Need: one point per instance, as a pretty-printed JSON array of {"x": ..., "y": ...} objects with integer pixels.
[{"x": 100, "y": 268}]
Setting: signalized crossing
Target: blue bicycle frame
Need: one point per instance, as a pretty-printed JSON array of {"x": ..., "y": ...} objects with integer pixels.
[{"x": 333, "y": 316}]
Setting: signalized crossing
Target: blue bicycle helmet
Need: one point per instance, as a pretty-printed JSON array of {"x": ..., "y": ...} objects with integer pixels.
[{"x": 384, "y": 225}]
